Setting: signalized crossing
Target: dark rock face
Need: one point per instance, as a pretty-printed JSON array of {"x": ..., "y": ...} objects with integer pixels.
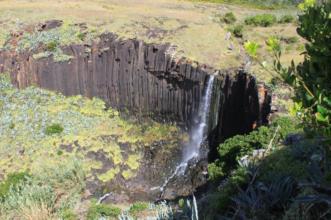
[{"x": 143, "y": 78}]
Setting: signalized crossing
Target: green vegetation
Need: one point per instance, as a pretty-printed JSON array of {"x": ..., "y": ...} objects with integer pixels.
[
  {"x": 290, "y": 177},
  {"x": 51, "y": 41},
  {"x": 263, "y": 20},
  {"x": 46, "y": 195},
  {"x": 97, "y": 211},
  {"x": 229, "y": 18},
  {"x": 138, "y": 207},
  {"x": 286, "y": 19},
  {"x": 237, "y": 30},
  {"x": 233, "y": 149},
  {"x": 12, "y": 181},
  {"x": 53, "y": 129}
]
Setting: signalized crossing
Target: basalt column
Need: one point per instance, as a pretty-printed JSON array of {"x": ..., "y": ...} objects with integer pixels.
[{"x": 146, "y": 80}]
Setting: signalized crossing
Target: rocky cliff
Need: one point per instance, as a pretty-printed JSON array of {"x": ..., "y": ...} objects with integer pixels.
[{"x": 146, "y": 80}]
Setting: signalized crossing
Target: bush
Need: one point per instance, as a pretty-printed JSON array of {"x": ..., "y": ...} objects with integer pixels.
[
  {"x": 138, "y": 207},
  {"x": 12, "y": 180},
  {"x": 263, "y": 20},
  {"x": 237, "y": 30},
  {"x": 53, "y": 129},
  {"x": 240, "y": 145},
  {"x": 229, "y": 18},
  {"x": 286, "y": 19},
  {"x": 68, "y": 214},
  {"x": 97, "y": 211}
]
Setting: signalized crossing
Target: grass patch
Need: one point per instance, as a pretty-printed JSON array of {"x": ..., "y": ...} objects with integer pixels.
[
  {"x": 262, "y": 20},
  {"x": 286, "y": 19},
  {"x": 12, "y": 181},
  {"x": 229, "y": 18},
  {"x": 237, "y": 30},
  {"x": 138, "y": 207},
  {"x": 100, "y": 211},
  {"x": 54, "y": 129}
]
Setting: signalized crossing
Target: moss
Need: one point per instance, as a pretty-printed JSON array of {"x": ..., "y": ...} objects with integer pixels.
[
  {"x": 133, "y": 161},
  {"x": 109, "y": 175},
  {"x": 128, "y": 174}
]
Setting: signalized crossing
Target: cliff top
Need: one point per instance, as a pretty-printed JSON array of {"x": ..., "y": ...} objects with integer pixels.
[{"x": 195, "y": 28}]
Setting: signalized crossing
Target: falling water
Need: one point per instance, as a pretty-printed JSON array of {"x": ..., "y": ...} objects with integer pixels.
[{"x": 197, "y": 134}]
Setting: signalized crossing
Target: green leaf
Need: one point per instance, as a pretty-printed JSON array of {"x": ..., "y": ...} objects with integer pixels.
[
  {"x": 321, "y": 118},
  {"x": 251, "y": 48},
  {"x": 322, "y": 110}
]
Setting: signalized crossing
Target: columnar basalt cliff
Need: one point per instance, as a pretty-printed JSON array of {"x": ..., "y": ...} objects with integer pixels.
[{"x": 146, "y": 80}]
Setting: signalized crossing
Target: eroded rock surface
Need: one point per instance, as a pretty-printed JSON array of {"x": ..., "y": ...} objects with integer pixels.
[{"x": 146, "y": 80}]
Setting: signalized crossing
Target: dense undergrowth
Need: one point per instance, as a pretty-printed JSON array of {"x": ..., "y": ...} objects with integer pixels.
[{"x": 283, "y": 171}]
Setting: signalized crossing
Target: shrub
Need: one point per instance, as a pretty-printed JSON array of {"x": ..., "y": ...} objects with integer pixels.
[
  {"x": 237, "y": 30},
  {"x": 240, "y": 145},
  {"x": 28, "y": 198},
  {"x": 97, "y": 211},
  {"x": 229, "y": 18},
  {"x": 53, "y": 129},
  {"x": 138, "y": 207},
  {"x": 68, "y": 214},
  {"x": 12, "y": 180},
  {"x": 263, "y": 20},
  {"x": 311, "y": 78},
  {"x": 52, "y": 45},
  {"x": 286, "y": 19}
]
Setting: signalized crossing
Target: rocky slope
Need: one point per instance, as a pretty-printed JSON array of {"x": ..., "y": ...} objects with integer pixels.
[{"x": 148, "y": 81}]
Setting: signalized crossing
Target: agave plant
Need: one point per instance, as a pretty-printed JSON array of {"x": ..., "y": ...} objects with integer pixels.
[
  {"x": 260, "y": 199},
  {"x": 317, "y": 205}
]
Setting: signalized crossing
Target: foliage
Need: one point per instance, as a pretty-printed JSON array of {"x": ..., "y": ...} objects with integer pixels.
[
  {"x": 53, "y": 129},
  {"x": 68, "y": 214},
  {"x": 286, "y": 19},
  {"x": 97, "y": 211},
  {"x": 263, "y": 20},
  {"x": 219, "y": 200},
  {"x": 54, "y": 191},
  {"x": 229, "y": 18},
  {"x": 251, "y": 48},
  {"x": 237, "y": 30},
  {"x": 52, "y": 40},
  {"x": 311, "y": 78},
  {"x": 264, "y": 200},
  {"x": 12, "y": 181},
  {"x": 138, "y": 207},
  {"x": 240, "y": 145}
]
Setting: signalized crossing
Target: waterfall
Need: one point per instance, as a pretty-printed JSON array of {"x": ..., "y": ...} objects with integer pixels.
[{"x": 197, "y": 134}]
